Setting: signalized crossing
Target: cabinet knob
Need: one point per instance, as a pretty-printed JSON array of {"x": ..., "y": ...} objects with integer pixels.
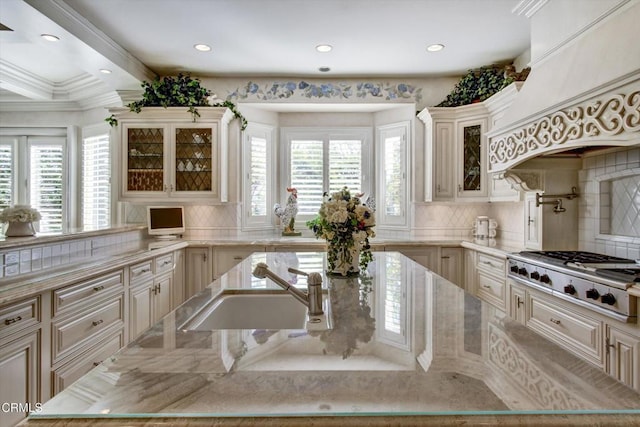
[
  {"x": 552, "y": 320},
  {"x": 97, "y": 322},
  {"x": 98, "y": 288}
]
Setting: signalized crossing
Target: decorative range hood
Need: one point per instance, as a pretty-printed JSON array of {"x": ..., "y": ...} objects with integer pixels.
[{"x": 585, "y": 95}]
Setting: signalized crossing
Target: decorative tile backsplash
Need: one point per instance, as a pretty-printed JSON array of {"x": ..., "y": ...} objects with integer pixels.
[
  {"x": 609, "y": 220},
  {"x": 14, "y": 262}
]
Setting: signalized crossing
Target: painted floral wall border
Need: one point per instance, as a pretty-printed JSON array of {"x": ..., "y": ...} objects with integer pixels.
[{"x": 362, "y": 90}]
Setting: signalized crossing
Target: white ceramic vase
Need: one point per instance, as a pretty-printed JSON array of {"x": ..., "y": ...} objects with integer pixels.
[{"x": 19, "y": 229}]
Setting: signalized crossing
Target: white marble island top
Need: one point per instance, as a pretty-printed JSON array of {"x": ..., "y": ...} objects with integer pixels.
[{"x": 402, "y": 343}]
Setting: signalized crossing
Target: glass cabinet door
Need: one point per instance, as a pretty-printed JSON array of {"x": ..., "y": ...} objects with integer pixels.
[
  {"x": 194, "y": 159},
  {"x": 471, "y": 136},
  {"x": 471, "y": 158},
  {"x": 145, "y": 159}
]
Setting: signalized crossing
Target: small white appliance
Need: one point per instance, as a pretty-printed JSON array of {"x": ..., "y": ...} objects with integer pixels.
[{"x": 484, "y": 227}]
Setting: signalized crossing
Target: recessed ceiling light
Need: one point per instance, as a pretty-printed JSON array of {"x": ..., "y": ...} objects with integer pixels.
[
  {"x": 435, "y": 47},
  {"x": 324, "y": 48},
  {"x": 50, "y": 37},
  {"x": 202, "y": 47},
  {"x": 105, "y": 71},
  {"x": 324, "y": 69}
]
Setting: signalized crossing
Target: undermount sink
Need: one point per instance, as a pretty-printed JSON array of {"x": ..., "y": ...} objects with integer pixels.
[{"x": 253, "y": 309}]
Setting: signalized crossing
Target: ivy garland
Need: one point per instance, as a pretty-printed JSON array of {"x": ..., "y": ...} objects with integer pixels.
[
  {"x": 476, "y": 86},
  {"x": 179, "y": 91}
]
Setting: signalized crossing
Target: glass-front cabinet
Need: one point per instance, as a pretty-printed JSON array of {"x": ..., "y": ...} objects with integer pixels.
[
  {"x": 166, "y": 155},
  {"x": 472, "y": 158}
]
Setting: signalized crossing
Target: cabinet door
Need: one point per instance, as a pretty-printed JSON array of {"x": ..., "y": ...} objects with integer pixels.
[
  {"x": 144, "y": 160},
  {"x": 20, "y": 370},
  {"x": 532, "y": 222},
  {"x": 517, "y": 298},
  {"x": 162, "y": 296},
  {"x": 444, "y": 187},
  {"x": 428, "y": 257},
  {"x": 194, "y": 161},
  {"x": 471, "y": 158},
  {"x": 451, "y": 267},
  {"x": 198, "y": 272},
  {"x": 228, "y": 257},
  {"x": 623, "y": 357},
  {"x": 140, "y": 309}
]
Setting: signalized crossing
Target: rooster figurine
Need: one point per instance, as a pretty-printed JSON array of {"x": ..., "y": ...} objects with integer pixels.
[{"x": 287, "y": 214}]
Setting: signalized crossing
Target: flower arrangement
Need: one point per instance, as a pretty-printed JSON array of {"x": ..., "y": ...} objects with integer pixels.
[
  {"x": 346, "y": 224},
  {"x": 19, "y": 213}
]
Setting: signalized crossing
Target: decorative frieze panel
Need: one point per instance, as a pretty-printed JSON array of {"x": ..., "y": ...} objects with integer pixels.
[{"x": 613, "y": 117}]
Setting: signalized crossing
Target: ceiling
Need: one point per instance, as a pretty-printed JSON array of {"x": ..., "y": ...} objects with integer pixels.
[{"x": 139, "y": 39}]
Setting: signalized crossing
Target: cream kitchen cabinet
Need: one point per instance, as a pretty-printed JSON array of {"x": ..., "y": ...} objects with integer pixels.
[
  {"x": 455, "y": 153},
  {"x": 198, "y": 271},
  {"x": 488, "y": 275},
  {"x": 150, "y": 292},
  {"x": 164, "y": 155},
  {"x": 452, "y": 265},
  {"x": 426, "y": 256},
  {"x": 226, "y": 257},
  {"x": 622, "y": 352},
  {"x": 23, "y": 358}
]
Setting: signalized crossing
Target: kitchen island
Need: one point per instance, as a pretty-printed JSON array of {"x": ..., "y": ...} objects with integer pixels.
[{"x": 403, "y": 344}]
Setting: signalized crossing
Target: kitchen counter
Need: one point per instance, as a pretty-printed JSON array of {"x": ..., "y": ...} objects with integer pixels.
[{"x": 403, "y": 342}]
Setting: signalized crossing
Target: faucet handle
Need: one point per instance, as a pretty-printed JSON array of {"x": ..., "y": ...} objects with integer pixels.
[{"x": 296, "y": 271}]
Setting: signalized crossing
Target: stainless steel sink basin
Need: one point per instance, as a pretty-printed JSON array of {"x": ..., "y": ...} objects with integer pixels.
[{"x": 235, "y": 309}]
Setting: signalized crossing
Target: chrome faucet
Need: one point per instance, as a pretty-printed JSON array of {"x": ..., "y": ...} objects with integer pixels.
[{"x": 312, "y": 299}]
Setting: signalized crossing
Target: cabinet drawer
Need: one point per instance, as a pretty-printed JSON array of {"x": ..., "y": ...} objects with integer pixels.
[
  {"x": 83, "y": 292},
  {"x": 491, "y": 264},
  {"x": 574, "y": 331},
  {"x": 20, "y": 315},
  {"x": 492, "y": 289},
  {"x": 71, "y": 332},
  {"x": 141, "y": 271},
  {"x": 87, "y": 360},
  {"x": 164, "y": 263}
]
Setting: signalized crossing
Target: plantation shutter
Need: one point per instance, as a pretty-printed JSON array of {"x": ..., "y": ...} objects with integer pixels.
[
  {"x": 258, "y": 176},
  {"x": 96, "y": 182},
  {"x": 307, "y": 174},
  {"x": 345, "y": 165},
  {"x": 46, "y": 183},
  {"x": 6, "y": 171}
]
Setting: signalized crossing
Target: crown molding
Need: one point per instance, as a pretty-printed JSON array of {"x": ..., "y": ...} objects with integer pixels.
[
  {"x": 24, "y": 83},
  {"x": 65, "y": 16},
  {"x": 528, "y": 8}
]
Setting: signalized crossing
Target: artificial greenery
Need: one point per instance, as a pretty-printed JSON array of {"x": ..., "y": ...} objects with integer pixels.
[
  {"x": 179, "y": 91},
  {"x": 477, "y": 85}
]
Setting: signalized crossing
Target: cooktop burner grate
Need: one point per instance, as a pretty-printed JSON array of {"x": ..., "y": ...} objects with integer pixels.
[{"x": 575, "y": 257}]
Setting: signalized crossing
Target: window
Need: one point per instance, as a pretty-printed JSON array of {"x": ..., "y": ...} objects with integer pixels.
[
  {"x": 34, "y": 172},
  {"x": 46, "y": 182},
  {"x": 6, "y": 175},
  {"x": 96, "y": 182},
  {"x": 319, "y": 161},
  {"x": 259, "y": 179},
  {"x": 393, "y": 163}
]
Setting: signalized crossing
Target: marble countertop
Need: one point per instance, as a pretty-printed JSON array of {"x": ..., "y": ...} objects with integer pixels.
[{"x": 401, "y": 342}]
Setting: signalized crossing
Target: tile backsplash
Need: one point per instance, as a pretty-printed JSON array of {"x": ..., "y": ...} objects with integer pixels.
[
  {"x": 31, "y": 259},
  {"x": 609, "y": 220}
]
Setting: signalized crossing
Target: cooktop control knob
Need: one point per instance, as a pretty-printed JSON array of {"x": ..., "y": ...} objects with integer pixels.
[
  {"x": 523, "y": 271},
  {"x": 608, "y": 299},
  {"x": 569, "y": 289},
  {"x": 535, "y": 275},
  {"x": 514, "y": 268},
  {"x": 593, "y": 293},
  {"x": 545, "y": 279}
]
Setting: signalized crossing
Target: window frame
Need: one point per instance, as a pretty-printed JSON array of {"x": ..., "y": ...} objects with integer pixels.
[
  {"x": 266, "y": 132},
  {"x": 325, "y": 134},
  {"x": 91, "y": 133},
  {"x": 397, "y": 222}
]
